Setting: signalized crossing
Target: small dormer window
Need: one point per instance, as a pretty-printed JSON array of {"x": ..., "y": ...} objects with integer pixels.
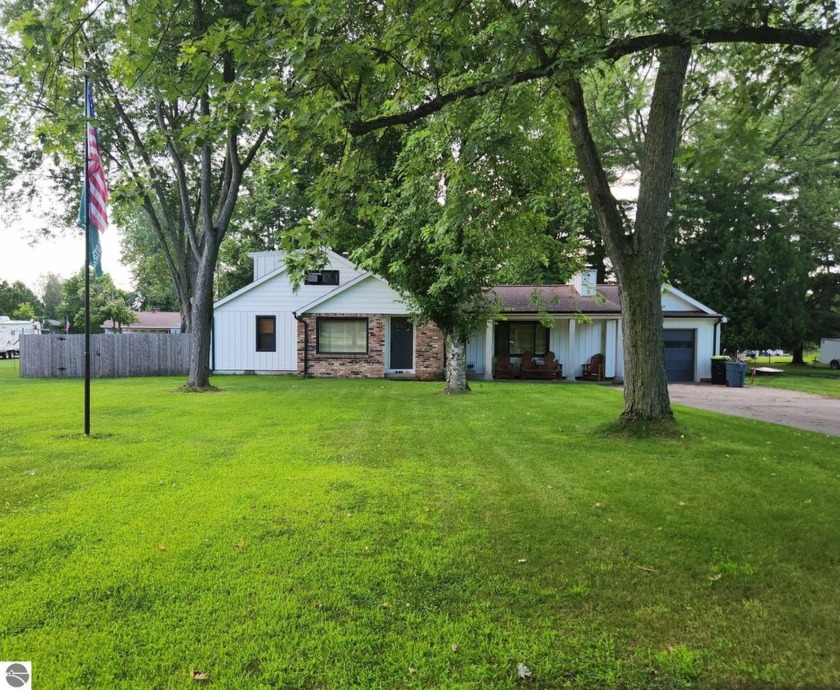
[{"x": 322, "y": 278}]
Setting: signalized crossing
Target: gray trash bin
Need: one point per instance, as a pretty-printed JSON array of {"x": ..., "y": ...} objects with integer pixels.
[{"x": 736, "y": 372}]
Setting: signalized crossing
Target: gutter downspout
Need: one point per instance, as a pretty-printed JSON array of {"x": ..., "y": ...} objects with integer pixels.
[
  {"x": 305, "y": 342},
  {"x": 715, "y": 336}
]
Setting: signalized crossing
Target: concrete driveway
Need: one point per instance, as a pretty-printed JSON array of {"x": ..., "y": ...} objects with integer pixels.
[{"x": 791, "y": 408}]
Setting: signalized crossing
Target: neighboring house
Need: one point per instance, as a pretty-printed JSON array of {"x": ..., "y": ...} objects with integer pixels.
[
  {"x": 346, "y": 322},
  {"x": 148, "y": 322}
]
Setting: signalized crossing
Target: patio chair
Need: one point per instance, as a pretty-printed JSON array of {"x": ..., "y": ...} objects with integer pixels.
[
  {"x": 504, "y": 369},
  {"x": 594, "y": 369},
  {"x": 553, "y": 368}
]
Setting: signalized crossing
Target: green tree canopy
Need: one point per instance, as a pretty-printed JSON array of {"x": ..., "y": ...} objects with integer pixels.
[
  {"x": 756, "y": 220},
  {"x": 13, "y": 295},
  {"x": 24, "y": 312},
  {"x": 106, "y": 302},
  {"x": 394, "y": 64},
  {"x": 187, "y": 94}
]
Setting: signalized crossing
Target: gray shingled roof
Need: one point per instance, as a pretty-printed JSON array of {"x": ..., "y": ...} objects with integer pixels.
[{"x": 556, "y": 299}]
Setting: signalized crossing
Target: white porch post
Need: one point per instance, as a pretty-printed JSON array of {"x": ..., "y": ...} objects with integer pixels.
[
  {"x": 619, "y": 351},
  {"x": 572, "y": 351},
  {"x": 609, "y": 348},
  {"x": 488, "y": 351}
]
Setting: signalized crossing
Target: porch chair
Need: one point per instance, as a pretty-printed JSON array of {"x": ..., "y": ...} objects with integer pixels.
[
  {"x": 504, "y": 369},
  {"x": 553, "y": 368},
  {"x": 594, "y": 369}
]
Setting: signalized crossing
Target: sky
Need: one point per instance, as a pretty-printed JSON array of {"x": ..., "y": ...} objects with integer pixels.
[{"x": 63, "y": 254}]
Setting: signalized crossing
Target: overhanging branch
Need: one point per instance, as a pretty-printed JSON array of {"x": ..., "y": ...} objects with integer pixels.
[{"x": 762, "y": 35}]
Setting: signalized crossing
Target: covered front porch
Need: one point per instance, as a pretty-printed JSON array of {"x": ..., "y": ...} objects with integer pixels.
[{"x": 572, "y": 340}]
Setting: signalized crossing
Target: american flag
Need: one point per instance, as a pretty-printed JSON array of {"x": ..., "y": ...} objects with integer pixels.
[{"x": 97, "y": 187}]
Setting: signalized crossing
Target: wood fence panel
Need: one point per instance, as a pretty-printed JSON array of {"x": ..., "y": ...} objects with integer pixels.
[{"x": 112, "y": 355}]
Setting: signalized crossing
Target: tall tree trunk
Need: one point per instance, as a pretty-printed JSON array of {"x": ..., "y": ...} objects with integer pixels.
[
  {"x": 637, "y": 254},
  {"x": 184, "y": 278},
  {"x": 645, "y": 382},
  {"x": 798, "y": 355},
  {"x": 202, "y": 316},
  {"x": 456, "y": 366}
]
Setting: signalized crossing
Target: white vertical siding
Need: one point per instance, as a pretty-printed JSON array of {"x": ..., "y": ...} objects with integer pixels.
[
  {"x": 558, "y": 339},
  {"x": 235, "y": 320},
  {"x": 235, "y": 345},
  {"x": 266, "y": 262},
  {"x": 489, "y": 349},
  {"x": 590, "y": 341},
  {"x": 572, "y": 367},
  {"x": 609, "y": 348},
  {"x": 475, "y": 352},
  {"x": 619, "y": 352}
]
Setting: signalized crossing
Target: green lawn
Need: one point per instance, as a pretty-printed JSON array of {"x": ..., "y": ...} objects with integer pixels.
[
  {"x": 373, "y": 534},
  {"x": 809, "y": 378}
]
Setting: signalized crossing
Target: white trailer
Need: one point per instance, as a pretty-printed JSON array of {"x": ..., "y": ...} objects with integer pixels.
[
  {"x": 830, "y": 352},
  {"x": 10, "y": 332}
]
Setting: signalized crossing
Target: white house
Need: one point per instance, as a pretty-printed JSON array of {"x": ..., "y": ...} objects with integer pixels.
[
  {"x": 341, "y": 322},
  {"x": 350, "y": 323}
]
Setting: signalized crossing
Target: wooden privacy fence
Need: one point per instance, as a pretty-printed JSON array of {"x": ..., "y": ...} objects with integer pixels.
[{"x": 112, "y": 355}]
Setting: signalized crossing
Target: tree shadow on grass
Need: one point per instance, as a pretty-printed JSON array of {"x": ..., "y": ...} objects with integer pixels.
[
  {"x": 186, "y": 388},
  {"x": 642, "y": 429}
]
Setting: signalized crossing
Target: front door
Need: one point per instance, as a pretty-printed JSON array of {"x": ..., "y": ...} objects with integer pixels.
[{"x": 402, "y": 343}]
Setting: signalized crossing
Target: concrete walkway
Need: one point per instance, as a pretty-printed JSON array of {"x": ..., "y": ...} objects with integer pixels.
[{"x": 791, "y": 408}]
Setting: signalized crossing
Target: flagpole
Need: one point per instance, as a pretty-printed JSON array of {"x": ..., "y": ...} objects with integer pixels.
[{"x": 87, "y": 258}]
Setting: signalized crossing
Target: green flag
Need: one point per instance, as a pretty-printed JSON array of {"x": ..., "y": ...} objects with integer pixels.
[{"x": 93, "y": 241}]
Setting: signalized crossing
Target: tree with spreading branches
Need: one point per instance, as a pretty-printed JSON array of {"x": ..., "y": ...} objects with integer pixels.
[
  {"x": 187, "y": 96},
  {"x": 394, "y": 64}
]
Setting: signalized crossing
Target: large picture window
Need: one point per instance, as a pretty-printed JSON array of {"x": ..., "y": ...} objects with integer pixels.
[
  {"x": 266, "y": 334},
  {"x": 342, "y": 336},
  {"x": 515, "y": 337}
]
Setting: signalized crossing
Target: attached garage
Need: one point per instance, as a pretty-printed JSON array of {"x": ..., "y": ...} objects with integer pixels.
[{"x": 679, "y": 354}]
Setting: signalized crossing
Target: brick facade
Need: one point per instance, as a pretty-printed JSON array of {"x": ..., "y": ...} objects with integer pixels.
[{"x": 428, "y": 351}]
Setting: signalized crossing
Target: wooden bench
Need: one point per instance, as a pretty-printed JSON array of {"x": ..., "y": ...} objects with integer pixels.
[{"x": 551, "y": 370}]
